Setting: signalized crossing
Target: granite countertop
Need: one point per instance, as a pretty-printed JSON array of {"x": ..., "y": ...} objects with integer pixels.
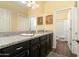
[{"x": 11, "y": 40}]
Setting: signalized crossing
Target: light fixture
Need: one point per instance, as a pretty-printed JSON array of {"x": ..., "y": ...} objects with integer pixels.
[
  {"x": 32, "y": 4},
  {"x": 37, "y": 5},
  {"x": 23, "y": 2}
]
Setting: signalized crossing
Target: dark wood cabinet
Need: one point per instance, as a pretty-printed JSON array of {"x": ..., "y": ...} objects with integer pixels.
[
  {"x": 43, "y": 46},
  {"x": 36, "y": 47},
  {"x": 50, "y": 41},
  {"x": 43, "y": 51},
  {"x": 15, "y": 50}
]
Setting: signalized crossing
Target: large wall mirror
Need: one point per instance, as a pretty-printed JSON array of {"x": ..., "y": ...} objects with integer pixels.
[
  {"x": 5, "y": 20},
  {"x": 7, "y": 24}
]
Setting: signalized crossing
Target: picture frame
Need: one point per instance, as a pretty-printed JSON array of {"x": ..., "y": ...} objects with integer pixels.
[
  {"x": 39, "y": 20},
  {"x": 49, "y": 19}
]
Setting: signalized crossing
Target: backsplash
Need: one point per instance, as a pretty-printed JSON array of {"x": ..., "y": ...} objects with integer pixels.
[{"x": 4, "y": 34}]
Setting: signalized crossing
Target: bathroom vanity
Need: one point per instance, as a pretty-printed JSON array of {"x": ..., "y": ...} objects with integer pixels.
[{"x": 37, "y": 45}]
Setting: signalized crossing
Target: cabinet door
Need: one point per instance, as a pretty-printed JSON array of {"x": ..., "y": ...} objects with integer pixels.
[
  {"x": 43, "y": 49},
  {"x": 34, "y": 51},
  {"x": 50, "y": 41}
]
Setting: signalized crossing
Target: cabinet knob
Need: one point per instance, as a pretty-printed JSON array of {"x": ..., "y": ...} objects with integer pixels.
[{"x": 19, "y": 48}]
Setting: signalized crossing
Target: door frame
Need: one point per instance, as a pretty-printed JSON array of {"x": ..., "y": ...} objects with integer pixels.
[{"x": 54, "y": 22}]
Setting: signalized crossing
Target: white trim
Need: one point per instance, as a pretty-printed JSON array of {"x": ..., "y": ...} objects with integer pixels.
[{"x": 59, "y": 10}]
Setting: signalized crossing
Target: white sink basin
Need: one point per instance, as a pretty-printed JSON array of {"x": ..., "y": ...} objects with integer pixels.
[
  {"x": 30, "y": 34},
  {"x": 27, "y": 35}
]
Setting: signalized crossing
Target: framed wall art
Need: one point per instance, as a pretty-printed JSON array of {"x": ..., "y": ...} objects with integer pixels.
[
  {"x": 39, "y": 20},
  {"x": 49, "y": 19}
]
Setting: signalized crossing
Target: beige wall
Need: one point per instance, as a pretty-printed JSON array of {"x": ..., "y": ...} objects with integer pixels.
[
  {"x": 48, "y": 7},
  {"x": 51, "y": 6},
  {"x": 45, "y": 8}
]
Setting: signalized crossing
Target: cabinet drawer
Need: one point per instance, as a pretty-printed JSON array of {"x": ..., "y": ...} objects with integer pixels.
[
  {"x": 16, "y": 48},
  {"x": 23, "y": 54}
]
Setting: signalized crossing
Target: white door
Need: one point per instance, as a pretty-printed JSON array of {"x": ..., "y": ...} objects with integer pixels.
[
  {"x": 60, "y": 29},
  {"x": 78, "y": 27},
  {"x": 63, "y": 27},
  {"x": 69, "y": 29},
  {"x": 74, "y": 31}
]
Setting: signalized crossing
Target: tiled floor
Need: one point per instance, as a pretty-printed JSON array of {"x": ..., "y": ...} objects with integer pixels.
[
  {"x": 53, "y": 54},
  {"x": 62, "y": 50}
]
